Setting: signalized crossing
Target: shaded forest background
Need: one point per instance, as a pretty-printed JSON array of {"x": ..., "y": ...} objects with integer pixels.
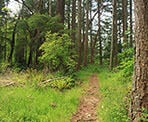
[
  {"x": 92, "y": 32},
  {"x": 59, "y": 43}
]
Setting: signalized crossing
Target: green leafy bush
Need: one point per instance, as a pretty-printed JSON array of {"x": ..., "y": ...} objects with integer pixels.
[
  {"x": 57, "y": 53},
  {"x": 126, "y": 64},
  {"x": 63, "y": 83}
]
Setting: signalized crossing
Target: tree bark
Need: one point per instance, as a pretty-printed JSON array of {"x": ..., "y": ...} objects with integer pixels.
[
  {"x": 140, "y": 81},
  {"x": 79, "y": 34},
  {"x": 99, "y": 32},
  {"x": 68, "y": 14},
  {"x": 60, "y": 9},
  {"x": 49, "y": 7},
  {"x": 86, "y": 34},
  {"x": 124, "y": 20},
  {"x": 114, "y": 35},
  {"x": 131, "y": 24},
  {"x": 12, "y": 43},
  {"x": 74, "y": 22}
]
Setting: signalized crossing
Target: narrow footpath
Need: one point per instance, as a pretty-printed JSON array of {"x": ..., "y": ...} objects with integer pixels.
[{"x": 87, "y": 109}]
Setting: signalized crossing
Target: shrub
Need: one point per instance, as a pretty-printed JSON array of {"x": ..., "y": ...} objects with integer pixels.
[
  {"x": 126, "y": 64},
  {"x": 57, "y": 53}
]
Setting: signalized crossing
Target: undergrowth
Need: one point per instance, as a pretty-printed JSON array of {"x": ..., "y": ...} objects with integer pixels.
[
  {"x": 115, "y": 97},
  {"x": 32, "y": 103}
]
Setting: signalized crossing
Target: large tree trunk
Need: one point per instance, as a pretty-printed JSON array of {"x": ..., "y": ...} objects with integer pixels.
[
  {"x": 60, "y": 9},
  {"x": 113, "y": 53},
  {"x": 140, "y": 82}
]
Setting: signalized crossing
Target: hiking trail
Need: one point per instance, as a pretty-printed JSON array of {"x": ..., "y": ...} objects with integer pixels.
[{"x": 87, "y": 109}]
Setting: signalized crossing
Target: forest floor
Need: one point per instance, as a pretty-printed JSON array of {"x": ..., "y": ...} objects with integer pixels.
[
  {"x": 21, "y": 98},
  {"x": 87, "y": 109}
]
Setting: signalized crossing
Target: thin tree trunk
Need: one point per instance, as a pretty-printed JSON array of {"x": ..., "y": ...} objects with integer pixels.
[
  {"x": 30, "y": 57},
  {"x": 74, "y": 22},
  {"x": 99, "y": 34},
  {"x": 91, "y": 34},
  {"x": 49, "y": 7},
  {"x": 12, "y": 43},
  {"x": 79, "y": 34},
  {"x": 69, "y": 10},
  {"x": 86, "y": 34},
  {"x": 124, "y": 20},
  {"x": 131, "y": 25},
  {"x": 114, "y": 34},
  {"x": 140, "y": 81}
]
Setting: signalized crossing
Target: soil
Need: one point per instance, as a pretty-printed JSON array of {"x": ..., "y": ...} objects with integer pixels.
[{"x": 87, "y": 109}]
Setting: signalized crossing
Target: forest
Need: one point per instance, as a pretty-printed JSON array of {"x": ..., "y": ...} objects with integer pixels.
[{"x": 73, "y": 61}]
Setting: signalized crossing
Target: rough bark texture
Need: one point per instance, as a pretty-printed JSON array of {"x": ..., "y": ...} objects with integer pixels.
[{"x": 140, "y": 82}]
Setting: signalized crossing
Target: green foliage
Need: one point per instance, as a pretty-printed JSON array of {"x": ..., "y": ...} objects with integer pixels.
[
  {"x": 62, "y": 83},
  {"x": 4, "y": 66},
  {"x": 57, "y": 53},
  {"x": 38, "y": 21},
  {"x": 114, "y": 99},
  {"x": 33, "y": 77},
  {"x": 126, "y": 55},
  {"x": 126, "y": 64}
]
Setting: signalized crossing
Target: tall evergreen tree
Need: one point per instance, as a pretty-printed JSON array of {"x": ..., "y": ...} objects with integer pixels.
[{"x": 140, "y": 83}]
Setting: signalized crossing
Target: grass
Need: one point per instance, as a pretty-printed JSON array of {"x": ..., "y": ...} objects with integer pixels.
[
  {"x": 114, "y": 99},
  {"x": 31, "y": 104}
]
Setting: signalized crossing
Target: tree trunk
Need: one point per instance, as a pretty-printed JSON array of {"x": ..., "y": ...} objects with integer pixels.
[
  {"x": 114, "y": 35},
  {"x": 140, "y": 82},
  {"x": 49, "y": 7},
  {"x": 74, "y": 22},
  {"x": 91, "y": 34},
  {"x": 30, "y": 57},
  {"x": 131, "y": 25},
  {"x": 99, "y": 32},
  {"x": 124, "y": 20},
  {"x": 79, "y": 34},
  {"x": 86, "y": 34},
  {"x": 60, "y": 9},
  {"x": 12, "y": 43},
  {"x": 68, "y": 14}
]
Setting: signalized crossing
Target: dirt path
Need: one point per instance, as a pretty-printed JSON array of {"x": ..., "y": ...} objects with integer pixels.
[{"x": 87, "y": 109}]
